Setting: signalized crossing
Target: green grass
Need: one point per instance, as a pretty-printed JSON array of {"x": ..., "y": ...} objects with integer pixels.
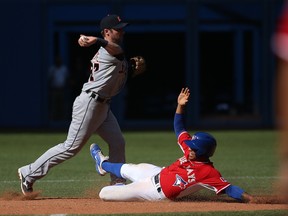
[{"x": 245, "y": 158}]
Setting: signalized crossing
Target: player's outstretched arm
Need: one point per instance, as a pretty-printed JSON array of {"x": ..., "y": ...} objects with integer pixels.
[
  {"x": 179, "y": 117},
  {"x": 238, "y": 194},
  {"x": 112, "y": 48}
]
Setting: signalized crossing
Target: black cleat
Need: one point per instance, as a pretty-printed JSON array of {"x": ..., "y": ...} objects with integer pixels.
[{"x": 118, "y": 181}]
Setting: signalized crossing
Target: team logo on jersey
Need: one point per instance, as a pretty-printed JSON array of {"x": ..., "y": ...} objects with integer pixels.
[{"x": 180, "y": 182}]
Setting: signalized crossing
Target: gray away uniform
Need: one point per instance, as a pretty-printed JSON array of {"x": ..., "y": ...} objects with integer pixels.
[{"x": 91, "y": 114}]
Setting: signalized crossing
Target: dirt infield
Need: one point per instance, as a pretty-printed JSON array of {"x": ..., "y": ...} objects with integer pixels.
[{"x": 16, "y": 204}]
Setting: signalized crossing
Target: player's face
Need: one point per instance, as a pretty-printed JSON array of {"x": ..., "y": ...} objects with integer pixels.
[
  {"x": 115, "y": 35},
  {"x": 192, "y": 155}
]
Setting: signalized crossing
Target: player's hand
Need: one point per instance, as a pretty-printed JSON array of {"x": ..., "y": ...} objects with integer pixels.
[
  {"x": 183, "y": 96},
  {"x": 86, "y": 41}
]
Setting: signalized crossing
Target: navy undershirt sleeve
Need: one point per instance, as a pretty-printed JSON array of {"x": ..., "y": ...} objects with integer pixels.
[
  {"x": 234, "y": 192},
  {"x": 179, "y": 124}
]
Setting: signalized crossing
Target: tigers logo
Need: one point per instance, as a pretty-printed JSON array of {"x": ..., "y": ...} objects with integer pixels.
[
  {"x": 179, "y": 182},
  {"x": 119, "y": 19}
]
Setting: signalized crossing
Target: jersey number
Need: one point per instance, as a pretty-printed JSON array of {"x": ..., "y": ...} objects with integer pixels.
[{"x": 94, "y": 67}]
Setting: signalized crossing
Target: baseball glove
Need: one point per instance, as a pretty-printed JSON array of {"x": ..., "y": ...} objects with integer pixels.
[{"x": 138, "y": 65}]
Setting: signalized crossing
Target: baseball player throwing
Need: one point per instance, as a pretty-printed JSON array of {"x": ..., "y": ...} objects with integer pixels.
[
  {"x": 91, "y": 109},
  {"x": 188, "y": 174}
]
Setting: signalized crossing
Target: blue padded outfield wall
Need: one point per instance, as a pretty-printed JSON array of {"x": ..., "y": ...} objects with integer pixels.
[{"x": 22, "y": 60}]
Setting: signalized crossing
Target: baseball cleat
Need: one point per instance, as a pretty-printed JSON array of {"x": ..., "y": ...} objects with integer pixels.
[
  {"x": 118, "y": 181},
  {"x": 99, "y": 158},
  {"x": 26, "y": 186}
]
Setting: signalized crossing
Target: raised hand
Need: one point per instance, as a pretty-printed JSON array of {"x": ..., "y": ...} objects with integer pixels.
[{"x": 183, "y": 96}]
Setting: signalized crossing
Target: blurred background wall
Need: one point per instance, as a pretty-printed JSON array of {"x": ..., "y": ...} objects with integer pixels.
[{"x": 220, "y": 49}]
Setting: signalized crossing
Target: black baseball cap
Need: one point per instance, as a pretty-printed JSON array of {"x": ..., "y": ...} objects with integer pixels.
[{"x": 112, "y": 21}]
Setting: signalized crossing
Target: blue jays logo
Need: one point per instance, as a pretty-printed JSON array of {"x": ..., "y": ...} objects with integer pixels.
[{"x": 179, "y": 182}]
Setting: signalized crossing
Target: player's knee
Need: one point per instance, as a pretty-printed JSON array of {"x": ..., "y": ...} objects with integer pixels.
[
  {"x": 113, "y": 193},
  {"x": 104, "y": 194}
]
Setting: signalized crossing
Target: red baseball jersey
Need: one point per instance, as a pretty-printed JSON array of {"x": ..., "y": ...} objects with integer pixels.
[{"x": 184, "y": 177}]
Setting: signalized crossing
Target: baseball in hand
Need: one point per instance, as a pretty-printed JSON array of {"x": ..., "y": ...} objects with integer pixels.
[{"x": 83, "y": 38}]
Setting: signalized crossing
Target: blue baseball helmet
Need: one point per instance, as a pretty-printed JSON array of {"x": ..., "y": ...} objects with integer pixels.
[{"x": 204, "y": 144}]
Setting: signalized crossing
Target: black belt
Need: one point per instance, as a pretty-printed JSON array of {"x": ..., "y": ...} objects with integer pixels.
[
  {"x": 157, "y": 183},
  {"x": 98, "y": 98}
]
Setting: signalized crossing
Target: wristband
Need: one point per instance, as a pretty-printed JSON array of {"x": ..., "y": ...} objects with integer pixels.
[{"x": 101, "y": 42}]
